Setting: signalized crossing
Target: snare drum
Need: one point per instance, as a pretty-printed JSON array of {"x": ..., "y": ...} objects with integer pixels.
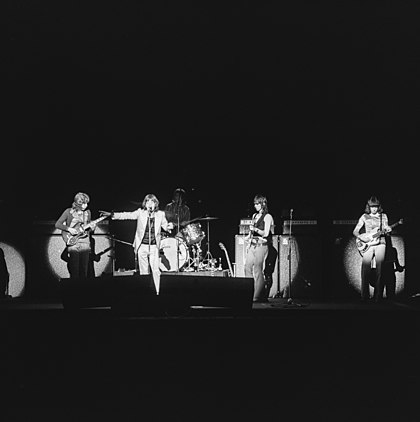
[
  {"x": 193, "y": 233},
  {"x": 167, "y": 255}
]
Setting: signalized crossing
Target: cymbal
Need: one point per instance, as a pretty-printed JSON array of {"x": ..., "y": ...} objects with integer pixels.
[
  {"x": 208, "y": 218},
  {"x": 185, "y": 223}
]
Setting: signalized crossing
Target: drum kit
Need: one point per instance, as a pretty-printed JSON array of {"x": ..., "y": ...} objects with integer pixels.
[{"x": 183, "y": 252}]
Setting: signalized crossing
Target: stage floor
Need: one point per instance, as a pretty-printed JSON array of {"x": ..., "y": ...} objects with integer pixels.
[
  {"x": 325, "y": 361},
  {"x": 273, "y": 307}
]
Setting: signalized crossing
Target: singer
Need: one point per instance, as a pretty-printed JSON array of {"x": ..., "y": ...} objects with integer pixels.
[
  {"x": 150, "y": 222},
  {"x": 258, "y": 240}
]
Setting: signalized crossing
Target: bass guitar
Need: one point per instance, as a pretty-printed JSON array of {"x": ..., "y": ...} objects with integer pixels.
[
  {"x": 72, "y": 239},
  {"x": 223, "y": 248},
  {"x": 366, "y": 240}
]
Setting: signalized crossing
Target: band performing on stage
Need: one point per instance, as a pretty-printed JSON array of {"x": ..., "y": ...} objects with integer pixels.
[{"x": 169, "y": 240}]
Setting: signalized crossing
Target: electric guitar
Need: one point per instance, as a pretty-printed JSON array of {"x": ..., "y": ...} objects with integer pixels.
[
  {"x": 72, "y": 239},
  {"x": 250, "y": 236},
  {"x": 222, "y": 247},
  {"x": 366, "y": 240}
]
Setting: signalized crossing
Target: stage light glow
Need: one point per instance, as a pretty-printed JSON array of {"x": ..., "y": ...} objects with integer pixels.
[
  {"x": 103, "y": 249},
  {"x": 352, "y": 262},
  {"x": 16, "y": 268}
]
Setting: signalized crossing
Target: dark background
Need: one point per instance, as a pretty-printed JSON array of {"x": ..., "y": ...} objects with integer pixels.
[{"x": 313, "y": 104}]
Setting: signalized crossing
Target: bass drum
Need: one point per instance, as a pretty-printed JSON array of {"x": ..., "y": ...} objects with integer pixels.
[{"x": 168, "y": 251}]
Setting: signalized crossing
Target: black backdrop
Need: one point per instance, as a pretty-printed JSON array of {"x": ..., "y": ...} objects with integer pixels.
[{"x": 313, "y": 105}]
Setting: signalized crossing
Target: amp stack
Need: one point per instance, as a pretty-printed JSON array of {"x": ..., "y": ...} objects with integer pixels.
[{"x": 299, "y": 239}]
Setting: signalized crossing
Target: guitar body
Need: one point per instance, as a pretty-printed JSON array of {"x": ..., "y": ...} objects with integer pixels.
[
  {"x": 71, "y": 239},
  {"x": 83, "y": 230},
  {"x": 366, "y": 240},
  {"x": 363, "y": 246}
]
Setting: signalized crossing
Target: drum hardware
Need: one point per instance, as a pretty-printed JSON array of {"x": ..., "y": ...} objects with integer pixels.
[
  {"x": 194, "y": 259},
  {"x": 208, "y": 257}
]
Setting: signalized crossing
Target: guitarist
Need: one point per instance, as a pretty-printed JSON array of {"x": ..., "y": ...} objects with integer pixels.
[
  {"x": 260, "y": 236},
  {"x": 372, "y": 221},
  {"x": 70, "y": 222}
]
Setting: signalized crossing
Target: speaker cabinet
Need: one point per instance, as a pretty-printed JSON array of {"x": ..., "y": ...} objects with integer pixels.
[
  {"x": 179, "y": 292},
  {"x": 136, "y": 294},
  {"x": 304, "y": 272},
  {"x": 92, "y": 292},
  {"x": 211, "y": 291},
  {"x": 129, "y": 293}
]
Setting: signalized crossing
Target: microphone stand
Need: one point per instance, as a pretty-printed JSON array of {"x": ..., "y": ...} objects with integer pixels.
[
  {"x": 290, "y": 303},
  {"x": 113, "y": 240},
  {"x": 278, "y": 294}
]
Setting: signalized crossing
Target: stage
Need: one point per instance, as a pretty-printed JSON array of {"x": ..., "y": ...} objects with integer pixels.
[{"x": 330, "y": 361}]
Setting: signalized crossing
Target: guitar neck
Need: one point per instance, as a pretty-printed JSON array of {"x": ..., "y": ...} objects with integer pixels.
[
  {"x": 227, "y": 259},
  {"x": 382, "y": 232},
  {"x": 230, "y": 265},
  {"x": 90, "y": 224}
]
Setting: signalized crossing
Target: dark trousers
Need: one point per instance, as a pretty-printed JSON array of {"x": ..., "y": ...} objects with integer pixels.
[
  {"x": 269, "y": 264},
  {"x": 78, "y": 264}
]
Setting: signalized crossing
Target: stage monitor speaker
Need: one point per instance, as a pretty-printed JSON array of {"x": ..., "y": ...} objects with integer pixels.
[
  {"x": 208, "y": 291},
  {"x": 92, "y": 292},
  {"x": 131, "y": 293},
  {"x": 305, "y": 269},
  {"x": 136, "y": 294}
]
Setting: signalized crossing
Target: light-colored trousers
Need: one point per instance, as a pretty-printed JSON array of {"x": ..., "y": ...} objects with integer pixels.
[
  {"x": 254, "y": 267},
  {"x": 148, "y": 258},
  {"x": 377, "y": 251}
]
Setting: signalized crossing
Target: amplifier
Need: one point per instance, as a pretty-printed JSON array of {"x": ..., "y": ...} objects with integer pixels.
[
  {"x": 244, "y": 225},
  {"x": 344, "y": 222},
  {"x": 300, "y": 226},
  {"x": 305, "y": 267}
]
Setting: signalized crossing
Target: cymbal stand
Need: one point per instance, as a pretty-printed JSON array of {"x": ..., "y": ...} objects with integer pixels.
[
  {"x": 290, "y": 302},
  {"x": 208, "y": 256}
]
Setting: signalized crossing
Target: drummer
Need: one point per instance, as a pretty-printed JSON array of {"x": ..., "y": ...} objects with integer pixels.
[{"x": 178, "y": 212}]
